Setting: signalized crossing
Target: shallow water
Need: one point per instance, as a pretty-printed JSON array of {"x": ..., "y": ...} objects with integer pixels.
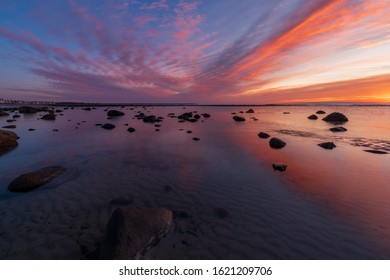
[{"x": 329, "y": 204}]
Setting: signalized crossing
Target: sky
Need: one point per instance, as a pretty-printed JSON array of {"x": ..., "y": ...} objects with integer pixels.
[{"x": 198, "y": 51}]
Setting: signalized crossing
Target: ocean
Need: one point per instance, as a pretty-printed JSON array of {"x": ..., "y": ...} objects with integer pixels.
[{"x": 227, "y": 200}]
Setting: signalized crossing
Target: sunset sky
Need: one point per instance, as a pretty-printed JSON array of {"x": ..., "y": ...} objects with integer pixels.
[{"x": 202, "y": 51}]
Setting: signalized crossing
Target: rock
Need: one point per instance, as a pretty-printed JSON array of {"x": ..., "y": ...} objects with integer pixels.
[
  {"x": 86, "y": 109},
  {"x": 327, "y": 145},
  {"x": 33, "y": 180},
  {"x": 185, "y": 116},
  {"x": 238, "y": 119},
  {"x": 124, "y": 200},
  {"x": 189, "y": 131},
  {"x": 115, "y": 113},
  {"x": 108, "y": 126},
  {"x": 12, "y": 126},
  {"x": 320, "y": 112},
  {"x": 338, "y": 129},
  {"x": 250, "y": 111},
  {"x": 276, "y": 143},
  {"x": 131, "y": 230},
  {"x": 28, "y": 110},
  {"x": 263, "y": 135},
  {"x": 49, "y": 117},
  {"x": 3, "y": 114},
  {"x": 206, "y": 115},
  {"x": 312, "y": 117},
  {"x": 221, "y": 213},
  {"x": 149, "y": 119},
  {"x": 192, "y": 120},
  {"x": 31, "y": 129},
  {"x": 98, "y": 124},
  {"x": 286, "y": 113},
  {"x": 279, "y": 167},
  {"x": 8, "y": 141},
  {"x": 131, "y": 129},
  {"x": 335, "y": 117},
  {"x": 11, "y": 120},
  {"x": 376, "y": 152},
  {"x": 195, "y": 139},
  {"x": 197, "y": 116},
  {"x": 16, "y": 116},
  {"x": 58, "y": 111}
]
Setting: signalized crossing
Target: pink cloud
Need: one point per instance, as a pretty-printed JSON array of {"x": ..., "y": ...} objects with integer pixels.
[{"x": 154, "y": 5}]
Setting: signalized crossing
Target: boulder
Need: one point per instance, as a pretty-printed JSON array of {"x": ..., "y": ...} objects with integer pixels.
[
  {"x": 149, "y": 119},
  {"x": 108, "y": 126},
  {"x": 238, "y": 119},
  {"x": 16, "y": 116},
  {"x": 28, "y": 110},
  {"x": 131, "y": 231},
  {"x": 185, "y": 116},
  {"x": 195, "y": 139},
  {"x": 279, "y": 167},
  {"x": 206, "y": 115},
  {"x": 196, "y": 116},
  {"x": 320, "y": 112},
  {"x": 312, "y": 117},
  {"x": 33, "y": 180},
  {"x": 131, "y": 129},
  {"x": 263, "y": 135},
  {"x": 338, "y": 129},
  {"x": 276, "y": 143},
  {"x": 250, "y": 111},
  {"x": 115, "y": 113},
  {"x": 335, "y": 117},
  {"x": 49, "y": 117},
  {"x": 327, "y": 145},
  {"x": 8, "y": 141}
]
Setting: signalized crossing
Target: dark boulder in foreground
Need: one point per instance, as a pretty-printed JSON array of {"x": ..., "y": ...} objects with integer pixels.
[
  {"x": 338, "y": 129},
  {"x": 312, "y": 117},
  {"x": 49, "y": 117},
  {"x": 8, "y": 141},
  {"x": 327, "y": 145},
  {"x": 33, "y": 180},
  {"x": 131, "y": 230},
  {"x": 279, "y": 167},
  {"x": 238, "y": 119},
  {"x": 250, "y": 111},
  {"x": 376, "y": 152},
  {"x": 131, "y": 129},
  {"x": 28, "y": 110},
  {"x": 115, "y": 113},
  {"x": 3, "y": 114},
  {"x": 276, "y": 143},
  {"x": 320, "y": 112},
  {"x": 108, "y": 126},
  {"x": 263, "y": 135},
  {"x": 335, "y": 117}
]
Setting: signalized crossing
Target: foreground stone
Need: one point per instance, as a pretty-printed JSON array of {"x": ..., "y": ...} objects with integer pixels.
[
  {"x": 115, "y": 113},
  {"x": 30, "y": 181},
  {"x": 338, "y": 129},
  {"x": 276, "y": 143},
  {"x": 312, "y": 117},
  {"x": 320, "y": 112},
  {"x": 335, "y": 117},
  {"x": 327, "y": 145},
  {"x": 108, "y": 126},
  {"x": 8, "y": 141},
  {"x": 238, "y": 119},
  {"x": 279, "y": 167},
  {"x": 131, "y": 230},
  {"x": 263, "y": 135}
]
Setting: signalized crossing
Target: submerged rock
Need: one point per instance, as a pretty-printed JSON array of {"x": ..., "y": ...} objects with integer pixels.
[
  {"x": 335, "y": 117},
  {"x": 238, "y": 119},
  {"x": 131, "y": 230},
  {"x": 327, "y": 145},
  {"x": 277, "y": 143},
  {"x": 279, "y": 167},
  {"x": 115, "y": 113},
  {"x": 8, "y": 141},
  {"x": 338, "y": 129},
  {"x": 206, "y": 115},
  {"x": 108, "y": 126},
  {"x": 150, "y": 119},
  {"x": 49, "y": 117},
  {"x": 28, "y": 110},
  {"x": 263, "y": 135},
  {"x": 312, "y": 117},
  {"x": 33, "y": 180}
]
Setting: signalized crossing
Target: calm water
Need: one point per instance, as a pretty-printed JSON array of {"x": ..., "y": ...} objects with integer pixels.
[{"x": 327, "y": 205}]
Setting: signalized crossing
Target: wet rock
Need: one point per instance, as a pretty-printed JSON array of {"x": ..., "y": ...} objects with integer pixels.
[
  {"x": 3, "y": 114},
  {"x": 338, "y": 129},
  {"x": 149, "y": 119},
  {"x": 185, "y": 116},
  {"x": 221, "y": 213},
  {"x": 263, "y": 135},
  {"x": 108, "y": 126},
  {"x": 189, "y": 131},
  {"x": 8, "y": 141},
  {"x": 33, "y": 180},
  {"x": 238, "y": 119},
  {"x": 115, "y": 113},
  {"x": 58, "y": 111},
  {"x": 49, "y": 117},
  {"x": 327, "y": 145},
  {"x": 286, "y": 113},
  {"x": 250, "y": 111},
  {"x": 132, "y": 230},
  {"x": 98, "y": 124},
  {"x": 376, "y": 152},
  {"x": 12, "y": 126},
  {"x": 10, "y": 120},
  {"x": 192, "y": 120},
  {"x": 16, "y": 116},
  {"x": 277, "y": 143},
  {"x": 195, "y": 139},
  {"x": 312, "y": 117},
  {"x": 28, "y": 110},
  {"x": 31, "y": 129},
  {"x": 197, "y": 116},
  {"x": 131, "y": 129},
  {"x": 279, "y": 167},
  {"x": 206, "y": 115},
  {"x": 320, "y": 112},
  {"x": 86, "y": 109},
  {"x": 335, "y": 117}
]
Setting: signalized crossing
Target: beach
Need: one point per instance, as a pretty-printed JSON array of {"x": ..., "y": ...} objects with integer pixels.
[{"x": 227, "y": 200}]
